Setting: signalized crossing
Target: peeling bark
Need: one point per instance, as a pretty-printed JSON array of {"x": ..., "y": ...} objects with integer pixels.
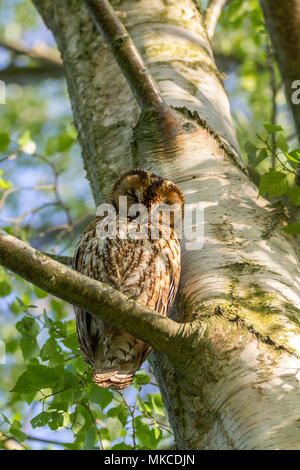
[{"x": 241, "y": 387}]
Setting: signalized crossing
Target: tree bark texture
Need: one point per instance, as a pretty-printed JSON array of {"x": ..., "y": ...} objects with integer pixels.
[
  {"x": 240, "y": 388},
  {"x": 283, "y": 24}
]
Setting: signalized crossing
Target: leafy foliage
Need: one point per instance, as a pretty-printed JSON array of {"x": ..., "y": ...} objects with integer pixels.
[
  {"x": 55, "y": 377},
  {"x": 277, "y": 164}
]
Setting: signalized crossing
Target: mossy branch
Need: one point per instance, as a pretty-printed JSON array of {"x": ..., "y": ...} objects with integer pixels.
[{"x": 101, "y": 300}]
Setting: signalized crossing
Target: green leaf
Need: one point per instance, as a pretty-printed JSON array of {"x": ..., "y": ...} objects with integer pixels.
[
  {"x": 58, "y": 306},
  {"x": 40, "y": 420},
  {"x": 71, "y": 342},
  {"x": 141, "y": 378},
  {"x": 29, "y": 329},
  {"x": 250, "y": 149},
  {"x": 52, "y": 351},
  {"x": 293, "y": 156},
  {"x": 41, "y": 294},
  {"x": 65, "y": 141},
  {"x": 158, "y": 406},
  {"x": 59, "y": 329},
  {"x": 282, "y": 143},
  {"x": 36, "y": 378},
  {"x": 60, "y": 143},
  {"x": 121, "y": 411},
  {"x": 4, "y": 184},
  {"x": 294, "y": 195},
  {"x": 16, "y": 432},
  {"x": 4, "y": 140},
  {"x": 26, "y": 143},
  {"x": 5, "y": 288},
  {"x": 295, "y": 153},
  {"x": 54, "y": 420},
  {"x": 28, "y": 326},
  {"x": 293, "y": 228},
  {"x": 21, "y": 303},
  {"x": 62, "y": 401},
  {"x": 90, "y": 438},
  {"x": 146, "y": 435},
  {"x": 70, "y": 377},
  {"x": 274, "y": 182},
  {"x": 156, "y": 431},
  {"x": 47, "y": 321},
  {"x": 101, "y": 396},
  {"x": 114, "y": 426},
  {"x": 5, "y": 418},
  {"x": 11, "y": 346},
  {"x": 270, "y": 128},
  {"x": 263, "y": 154},
  {"x": 121, "y": 446},
  {"x": 29, "y": 347}
]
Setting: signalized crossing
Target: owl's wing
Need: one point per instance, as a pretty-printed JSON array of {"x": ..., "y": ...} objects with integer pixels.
[
  {"x": 143, "y": 269},
  {"x": 88, "y": 260}
]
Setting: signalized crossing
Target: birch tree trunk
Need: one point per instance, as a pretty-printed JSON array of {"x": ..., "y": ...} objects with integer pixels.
[{"x": 240, "y": 390}]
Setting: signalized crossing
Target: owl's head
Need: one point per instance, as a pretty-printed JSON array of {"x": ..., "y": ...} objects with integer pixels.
[{"x": 143, "y": 187}]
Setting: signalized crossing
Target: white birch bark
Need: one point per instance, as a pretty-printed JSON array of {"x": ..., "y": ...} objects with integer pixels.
[{"x": 241, "y": 389}]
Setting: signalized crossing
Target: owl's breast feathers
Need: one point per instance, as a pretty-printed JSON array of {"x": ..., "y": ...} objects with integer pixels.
[{"x": 146, "y": 269}]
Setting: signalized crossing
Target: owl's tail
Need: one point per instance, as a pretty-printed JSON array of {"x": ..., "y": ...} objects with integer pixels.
[
  {"x": 117, "y": 360},
  {"x": 115, "y": 380}
]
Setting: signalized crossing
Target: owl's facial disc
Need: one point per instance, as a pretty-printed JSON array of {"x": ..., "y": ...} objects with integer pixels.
[
  {"x": 131, "y": 185},
  {"x": 143, "y": 187}
]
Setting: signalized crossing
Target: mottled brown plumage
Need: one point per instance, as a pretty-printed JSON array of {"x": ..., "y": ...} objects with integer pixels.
[{"x": 146, "y": 269}]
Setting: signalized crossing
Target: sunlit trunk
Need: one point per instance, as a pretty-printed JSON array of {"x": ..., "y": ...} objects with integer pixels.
[{"x": 243, "y": 285}]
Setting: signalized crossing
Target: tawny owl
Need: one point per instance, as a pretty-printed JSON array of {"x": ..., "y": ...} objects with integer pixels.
[{"x": 144, "y": 265}]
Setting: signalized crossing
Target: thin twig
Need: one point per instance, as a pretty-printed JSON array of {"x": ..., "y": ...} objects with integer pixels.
[
  {"x": 10, "y": 443},
  {"x": 55, "y": 184},
  {"x": 54, "y": 187},
  {"x": 125, "y": 53},
  {"x": 132, "y": 413},
  {"x": 44, "y": 397},
  {"x": 162, "y": 425},
  {"x": 274, "y": 154},
  {"x": 95, "y": 424},
  {"x": 40, "y": 51}
]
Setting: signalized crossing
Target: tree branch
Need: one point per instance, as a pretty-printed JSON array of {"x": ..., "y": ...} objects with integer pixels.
[
  {"x": 101, "y": 300},
  {"x": 40, "y": 51},
  {"x": 283, "y": 24},
  {"x": 29, "y": 75},
  {"x": 10, "y": 443},
  {"x": 212, "y": 15},
  {"x": 125, "y": 53},
  {"x": 49, "y": 63}
]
